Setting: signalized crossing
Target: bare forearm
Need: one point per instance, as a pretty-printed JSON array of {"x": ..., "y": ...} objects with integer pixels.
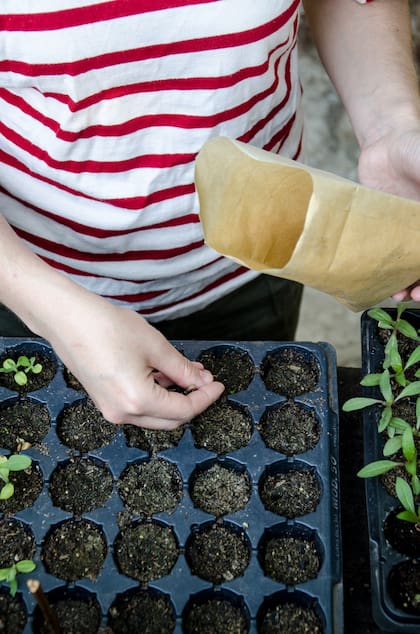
[
  {"x": 367, "y": 52},
  {"x": 29, "y": 287}
]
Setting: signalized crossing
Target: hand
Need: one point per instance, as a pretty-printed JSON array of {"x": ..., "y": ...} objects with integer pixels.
[
  {"x": 126, "y": 366},
  {"x": 392, "y": 164}
]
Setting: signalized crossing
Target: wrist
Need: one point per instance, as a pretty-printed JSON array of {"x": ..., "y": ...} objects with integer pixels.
[{"x": 395, "y": 118}]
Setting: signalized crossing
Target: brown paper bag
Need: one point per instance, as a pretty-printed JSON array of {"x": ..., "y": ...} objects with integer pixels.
[{"x": 284, "y": 218}]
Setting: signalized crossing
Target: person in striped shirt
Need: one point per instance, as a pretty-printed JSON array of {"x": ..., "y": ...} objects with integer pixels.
[{"x": 104, "y": 106}]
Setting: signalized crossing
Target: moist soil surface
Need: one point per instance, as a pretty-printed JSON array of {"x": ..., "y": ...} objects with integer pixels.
[
  {"x": 290, "y": 428},
  {"x": 82, "y": 427},
  {"x": 152, "y": 486},
  {"x": 292, "y": 493},
  {"x": 80, "y": 485},
  {"x": 287, "y": 372},
  {"x": 145, "y": 611},
  {"x": 13, "y": 615},
  {"x": 220, "y": 489},
  {"x": 231, "y": 366},
  {"x": 152, "y": 440},
  {"x": 222, "y": 428},
  {"x": 290, "y": 618},
  {"x": 74, "y": 616},
  {"x": 404, "y": 586},
  {"x": 23, "y": 421},
  {"x": 216, "y": 615},
  {"x": 35, "y": 381},
  {"x": 74, "y": 549},
  {"x": 403, "y": 536},
  {"x": 290, "y": 560},
  {"x": 28, "y": 485},
  {"x": 146, "y": 551},
  {"x": 17, "y": 542},
  {"x": 217, "y": 552}
]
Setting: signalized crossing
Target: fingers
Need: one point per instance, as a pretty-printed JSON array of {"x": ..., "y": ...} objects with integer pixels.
[
  {"x": 412, "y": 292},
  {"x": 168, "y": 410},
  {"x": 165, "y": 381},
  {"x": 415, "y": 293}
]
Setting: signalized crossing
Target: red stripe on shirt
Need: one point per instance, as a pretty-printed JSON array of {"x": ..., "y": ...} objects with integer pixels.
[
  {"x": 135, "y": 203},
  {"x": 52, "y": 20},
  {"x": 68, "y": 252},
  {"x": 221, "y": 280},
  {"x": 228, "y": 40}
]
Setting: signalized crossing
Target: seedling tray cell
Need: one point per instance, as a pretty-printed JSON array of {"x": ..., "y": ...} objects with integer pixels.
[{"x": 253, "y": 589}]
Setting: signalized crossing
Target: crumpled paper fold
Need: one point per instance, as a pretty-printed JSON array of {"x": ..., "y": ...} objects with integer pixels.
[{"x": 286, "y": 219}]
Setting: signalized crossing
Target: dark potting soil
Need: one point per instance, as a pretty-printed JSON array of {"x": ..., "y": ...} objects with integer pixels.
[
  {"x": 17, "y": 542},
  {"x": 74, "y": 616},
  {"x": 23, "y": 421},
  {"x": 13, "y": 615},
  {"x": 82, "y": 427},
  {"x": 229, "y": 365},
  {"x": 147, "y": 611},
  {"x": 290, "y": 618},
  {"x": 220, "y": 489},
  {"x": 150, "y": 486},
  {"x": 290, "y": 428},
  {"x": 402, "y": 535},
  {"x": 222, "y": 428},
  {"x": 217, "y": 552},
  {"x": 287, "y": 372},
  {"x": 404, "y": 586},
  {"x": 74, "y": 549},
  {"x": 71, "y": 381},
  {"x": 146, "y": 551},
  {"x": 35, "y": 381},
  {"x": 152, "y": 440},
  {"x": 290, "y": 560},
  {"x": 292, "y": 492},
  {"x": 216, "y": 615},
  {"x": 28, "y": 485},
  {"x": 80, "y": 485}
]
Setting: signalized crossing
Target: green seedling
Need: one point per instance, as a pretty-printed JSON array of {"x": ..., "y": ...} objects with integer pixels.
[
  {"x": 387, "y": 402},
  {"x": 398, "y": 324},
  {"x": 15, "y": 462},
  {"x": 10, "y": 574},
  {"x": 405, "y": 496},
  {"x": 21, "y": 368},
  {"x": 406, "y": 443}
]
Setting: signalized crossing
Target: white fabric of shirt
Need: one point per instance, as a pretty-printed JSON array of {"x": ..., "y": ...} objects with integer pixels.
[{"x": 103, "y": 108}]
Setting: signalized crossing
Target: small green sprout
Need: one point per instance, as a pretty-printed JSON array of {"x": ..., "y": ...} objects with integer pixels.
[
  {"x": 405, "y": 496},
  {"x": 386, "y": 322},
  {"x": 21, "y": 368},
  {"x": 15, "y": 462},
  {"x": 9, "y": 574},
  {"x": 383, "y": 381}
]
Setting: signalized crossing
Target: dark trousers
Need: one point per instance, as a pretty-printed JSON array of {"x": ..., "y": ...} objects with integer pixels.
[{"x": 265, "y": 309}]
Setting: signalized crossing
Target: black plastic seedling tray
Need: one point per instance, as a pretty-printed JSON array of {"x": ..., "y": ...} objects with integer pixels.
[
  {"x": 383, "y": 557},
  {"x": 254, "y": 588}
]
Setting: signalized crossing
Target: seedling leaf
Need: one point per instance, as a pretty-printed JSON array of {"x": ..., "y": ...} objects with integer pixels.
[
  {"x": 380, "y": 315},
  {"x": 412, "y": 389},
  {"x": 25, "y": 565},
  {"x": 377, "y": 468},
  {"x": 407, "y": 329},
  {"x": 359, "y": 402},
  {"x": 405, "y": 494}
]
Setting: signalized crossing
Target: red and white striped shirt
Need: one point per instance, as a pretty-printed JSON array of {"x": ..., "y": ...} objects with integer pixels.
[{"x": 103, "y": 108}]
